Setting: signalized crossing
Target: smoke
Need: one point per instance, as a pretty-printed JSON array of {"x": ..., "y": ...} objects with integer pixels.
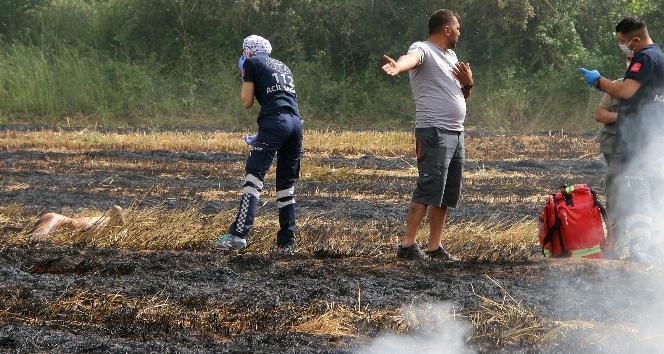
[
  {"x": 622, "y": 309},
  {"x": 438, "y": 330},
  {"x": 640, "y": 188},
  {"x": 609, "y": 308},
  {"x": 618, "y": 307}
]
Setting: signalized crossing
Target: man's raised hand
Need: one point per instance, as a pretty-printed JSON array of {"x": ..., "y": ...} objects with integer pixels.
[
  {"x": 591, "y": 77},
  {"x": 390, "y": 68}
]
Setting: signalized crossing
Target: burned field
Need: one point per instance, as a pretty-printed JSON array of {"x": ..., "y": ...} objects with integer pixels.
[{"x": 155, "y": 285}]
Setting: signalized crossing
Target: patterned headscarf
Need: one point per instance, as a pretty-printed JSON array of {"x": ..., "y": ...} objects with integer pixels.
[{"x": 257, "y": 44}]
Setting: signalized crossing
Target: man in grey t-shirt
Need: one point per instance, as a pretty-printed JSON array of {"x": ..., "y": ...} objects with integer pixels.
[{"x": 440, "y": 84}]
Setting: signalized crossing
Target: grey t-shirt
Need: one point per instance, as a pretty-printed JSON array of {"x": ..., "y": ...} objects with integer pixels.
[{"x": 439, "y": 101}]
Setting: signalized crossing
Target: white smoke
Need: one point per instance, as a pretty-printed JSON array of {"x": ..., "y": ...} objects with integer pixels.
[
  {"x": 438, "y": 331},
  {"x": 610, "y": 308},
  {"x": 629, "y": 317},
  {"x": 640, "y": 189}
]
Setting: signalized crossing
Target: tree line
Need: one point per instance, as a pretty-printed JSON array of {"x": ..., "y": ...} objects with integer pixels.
[{"x": 172, "y": 62}]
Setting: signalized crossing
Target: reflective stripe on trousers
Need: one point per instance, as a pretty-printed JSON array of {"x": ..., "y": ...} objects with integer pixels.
[{"x": 280, "y": 134}]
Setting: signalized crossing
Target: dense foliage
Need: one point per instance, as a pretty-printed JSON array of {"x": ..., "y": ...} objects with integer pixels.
[{"x": 173, "y": 62}]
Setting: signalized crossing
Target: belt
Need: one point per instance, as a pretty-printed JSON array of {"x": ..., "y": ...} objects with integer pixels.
[
  {"x": 451, "y": 132},
  {"x": 284, "y": 111}
]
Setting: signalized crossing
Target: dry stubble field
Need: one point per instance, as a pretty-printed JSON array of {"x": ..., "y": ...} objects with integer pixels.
[{"x": 154, "y": 284}]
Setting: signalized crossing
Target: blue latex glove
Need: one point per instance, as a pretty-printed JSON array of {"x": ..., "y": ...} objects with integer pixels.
[
  {"x": 240, "y": 63},
  {"x": 592, "y": 77},
  {"x": 250, "y": 139}
]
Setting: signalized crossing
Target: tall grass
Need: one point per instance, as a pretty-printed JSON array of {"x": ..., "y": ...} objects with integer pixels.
[
  {"x": 39, "y": 84},
  {"x": 71, "y": 85},
  {"x": 59, "y": 84},
  {"x": 163, "y": 64},
  {"x": 545, "y": 101}
]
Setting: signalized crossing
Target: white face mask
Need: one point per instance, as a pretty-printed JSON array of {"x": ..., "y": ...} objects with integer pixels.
[{"x": 625, "y": 48}]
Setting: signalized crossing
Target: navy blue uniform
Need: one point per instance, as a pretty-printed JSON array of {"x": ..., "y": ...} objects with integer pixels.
[
  {"x": 641, "y": 117},
  {"x": 641, "y": 131},
  {"x": 274, "y": 87},
  {"x": 279, "y": 132}
]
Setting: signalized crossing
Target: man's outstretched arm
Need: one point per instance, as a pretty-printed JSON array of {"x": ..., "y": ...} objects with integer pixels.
[{"x": 404, "y": 63}]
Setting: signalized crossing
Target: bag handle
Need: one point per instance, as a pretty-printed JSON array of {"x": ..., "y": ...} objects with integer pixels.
[
  {"x": 554, "y": 228},
  {"x": 567, "y": 194},
  {"x": 607, "y": 247}
]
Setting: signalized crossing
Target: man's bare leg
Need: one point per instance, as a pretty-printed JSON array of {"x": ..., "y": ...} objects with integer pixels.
[
  {"x": 437, "y": 216},
  {"x": 48, "y": 223},
  {"x": 416, "y": 213},
  {"x": 95, "y": 223}
]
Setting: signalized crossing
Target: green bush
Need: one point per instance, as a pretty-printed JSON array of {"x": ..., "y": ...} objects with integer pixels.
[{"x": 173, "y": 62}]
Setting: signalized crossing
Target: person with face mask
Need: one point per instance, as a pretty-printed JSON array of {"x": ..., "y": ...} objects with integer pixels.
[
  {"x": 609, "y": 145},
  {"x": 640, "y": 187},
  {"x": 440, "y": 84},
  {"x": 271, "y": 83}
]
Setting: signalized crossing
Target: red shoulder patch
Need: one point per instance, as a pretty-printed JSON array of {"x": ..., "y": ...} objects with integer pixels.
[{"x": 635, "y": 68}]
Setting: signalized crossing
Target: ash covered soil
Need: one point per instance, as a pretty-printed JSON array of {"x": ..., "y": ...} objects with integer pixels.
[{"x": 80, "y": 299}]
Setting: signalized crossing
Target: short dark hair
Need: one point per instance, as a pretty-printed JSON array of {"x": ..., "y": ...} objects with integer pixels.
[
  {"x": 631, "y": 25},
  {"x": 440, "y": 19}
]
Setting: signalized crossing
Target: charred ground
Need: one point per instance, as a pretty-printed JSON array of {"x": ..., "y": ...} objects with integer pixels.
[{"x": 80, "y": 298}]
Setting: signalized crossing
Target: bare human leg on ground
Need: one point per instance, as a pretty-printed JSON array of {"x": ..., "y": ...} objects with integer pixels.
[{"x": 51, "y": 222}]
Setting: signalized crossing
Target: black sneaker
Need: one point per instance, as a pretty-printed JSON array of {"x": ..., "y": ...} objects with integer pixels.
[
  {"x": 412, "y": 252},
  {"x": 441, "y": 254}
]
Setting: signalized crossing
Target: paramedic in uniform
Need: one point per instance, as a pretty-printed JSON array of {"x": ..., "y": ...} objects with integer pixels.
[
  {"x": 440, "y": 84},
  {"x": 641, "y": 132},
  {"x": 279, "y": 132}
]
